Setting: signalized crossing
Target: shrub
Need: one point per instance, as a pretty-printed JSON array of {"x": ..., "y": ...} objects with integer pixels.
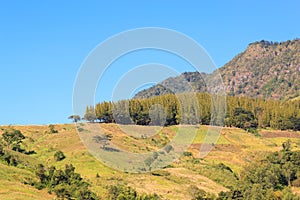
[
  {"x": 160, "y": 173},
  {"x": 59, "y": 155},
  {"x": 80, "y": 129},
  {"x": 66, "y": 184},
  {"x": 198, "y": 194},
  {"x": 123, "y": 192},
  {"x": 187, "y": 153},
  {"x": 224, "y": 167},
  {"x": 168, "y": 148},
  {"x": 52, "y": 129}
]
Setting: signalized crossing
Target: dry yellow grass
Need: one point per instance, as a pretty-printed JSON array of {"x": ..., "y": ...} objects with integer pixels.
[{"x": 234, "y": 148}]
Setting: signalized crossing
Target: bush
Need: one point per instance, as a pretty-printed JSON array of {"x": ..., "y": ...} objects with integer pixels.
[
  {"x": 187, "y": 153},
  {"x": 66, "y": 184},
  {"x": 1, "y": 151},
  {"x": 124, "y": 192},
  {"x": 199, "y": 194},
  {"x": 7, "y": 157},
  {"x": 80, "y": 129},
  {"x": 52, "y": 129},
  {"x": 59, "y": 155},
  {"x": 10, "y": 160},
  {"x": 168, "y": 148},
  {"x": 160, "y": 173},
  {"x": 224, "y": 167}
]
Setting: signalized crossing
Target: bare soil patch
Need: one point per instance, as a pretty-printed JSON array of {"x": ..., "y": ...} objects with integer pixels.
[{"x": 274, "y": 134}]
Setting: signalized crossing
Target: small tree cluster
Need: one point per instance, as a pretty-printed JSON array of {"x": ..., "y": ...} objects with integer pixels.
[
  {"x": 66, "y": 184},
  {"x": 13, "y": 138}
]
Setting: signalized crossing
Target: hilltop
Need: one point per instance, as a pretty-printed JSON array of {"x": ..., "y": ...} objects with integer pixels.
[{"x": 265, "y": 69}]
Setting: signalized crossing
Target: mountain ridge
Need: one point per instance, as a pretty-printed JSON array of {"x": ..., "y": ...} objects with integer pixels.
[{"x": 265, "y": 69}]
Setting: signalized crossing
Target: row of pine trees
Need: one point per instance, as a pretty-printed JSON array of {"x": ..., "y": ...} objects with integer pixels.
[{"x": 201, "y": 108}]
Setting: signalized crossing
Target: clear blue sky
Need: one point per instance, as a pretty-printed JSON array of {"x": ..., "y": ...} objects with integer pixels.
[{"x": 43, "y": 43}]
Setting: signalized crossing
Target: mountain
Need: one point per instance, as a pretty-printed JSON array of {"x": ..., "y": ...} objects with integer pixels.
[{"x": 265, "y": 69}]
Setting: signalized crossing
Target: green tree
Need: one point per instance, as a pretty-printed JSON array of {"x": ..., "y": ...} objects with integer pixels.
[
  {"x": 244, "y": 119},
  {"x": 75, "y": 118},
  {"x": 13, "y": 138},
  {"x": 90, "y": 114}
]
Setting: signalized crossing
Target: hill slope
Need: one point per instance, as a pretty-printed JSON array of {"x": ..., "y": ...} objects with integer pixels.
[
  {"x": 235, "y": 148},
  {"x": 265, "y": 69}
]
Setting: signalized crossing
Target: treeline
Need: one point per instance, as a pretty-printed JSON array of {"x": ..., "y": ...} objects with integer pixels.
[{"x": 243, "y": 112}]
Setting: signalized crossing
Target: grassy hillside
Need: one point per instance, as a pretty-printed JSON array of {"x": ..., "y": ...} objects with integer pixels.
[{"x": 235, "y": 148}]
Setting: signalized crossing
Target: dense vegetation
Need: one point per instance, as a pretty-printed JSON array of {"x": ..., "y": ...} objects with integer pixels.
[
  {"x": 269, "y": 177},
  {"x": 265, "y": 69},
  {"x": 66, "y": 184},
  {"x": 242, "y": 112},
  {"x": 121, "y": 192},
  {"x": 12, "y": 141}
]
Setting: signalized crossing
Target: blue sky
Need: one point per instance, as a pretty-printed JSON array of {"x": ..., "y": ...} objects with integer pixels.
[{"x": 43, "y": 43}]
